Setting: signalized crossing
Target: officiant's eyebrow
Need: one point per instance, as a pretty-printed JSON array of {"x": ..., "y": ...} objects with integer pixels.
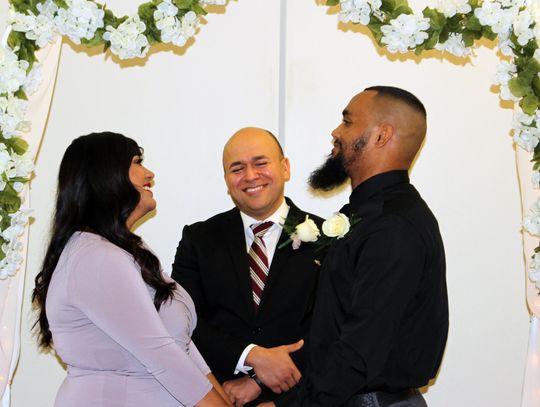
[
  {"x": 346, "y": 113},
  {"x": 256, "y": 158}
]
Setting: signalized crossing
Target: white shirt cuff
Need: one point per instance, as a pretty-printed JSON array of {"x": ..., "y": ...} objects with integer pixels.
[{"x": 240, "y": 366}]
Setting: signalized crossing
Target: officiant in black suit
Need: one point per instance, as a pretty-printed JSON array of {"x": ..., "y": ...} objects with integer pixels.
[
  {"x": 381, "y": 315},
  {"x": 253, "y": 295}
]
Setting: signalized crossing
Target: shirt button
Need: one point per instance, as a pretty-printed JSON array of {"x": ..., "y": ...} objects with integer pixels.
[{"x": 257, "y": 330}]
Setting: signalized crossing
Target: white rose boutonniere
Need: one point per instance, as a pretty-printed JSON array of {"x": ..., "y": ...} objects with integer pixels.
[
  {"x": 307, "y": 231},
  {"x": 336, "y": 226}
]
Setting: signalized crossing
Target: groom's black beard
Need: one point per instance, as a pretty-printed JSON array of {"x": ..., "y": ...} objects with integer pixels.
[{"x": 331, "y": 174}]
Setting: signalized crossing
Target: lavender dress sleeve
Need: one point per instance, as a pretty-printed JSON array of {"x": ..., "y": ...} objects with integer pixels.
[{"x": 109, "y": 290}]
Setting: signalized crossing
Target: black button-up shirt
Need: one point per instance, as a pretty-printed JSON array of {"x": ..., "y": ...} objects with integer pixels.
[{"x": 381, "y": 317}]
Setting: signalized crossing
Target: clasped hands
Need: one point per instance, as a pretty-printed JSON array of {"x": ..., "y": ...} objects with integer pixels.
[{"x": 274, "y": 368}]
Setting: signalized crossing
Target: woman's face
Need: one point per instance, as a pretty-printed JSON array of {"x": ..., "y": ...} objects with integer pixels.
[{"x": 142, "y": 178}]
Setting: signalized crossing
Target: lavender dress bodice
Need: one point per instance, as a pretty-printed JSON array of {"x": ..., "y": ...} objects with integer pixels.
[{"x": 119, "y": 350}]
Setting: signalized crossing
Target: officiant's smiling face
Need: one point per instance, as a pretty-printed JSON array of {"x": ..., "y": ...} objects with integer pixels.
[{"x": 255, "y": 172}]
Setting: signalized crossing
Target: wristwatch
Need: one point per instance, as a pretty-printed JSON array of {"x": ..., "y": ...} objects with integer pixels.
[{"x": 254, "y": 376}]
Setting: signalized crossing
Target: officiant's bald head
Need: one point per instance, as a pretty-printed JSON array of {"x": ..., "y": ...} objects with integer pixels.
[{"x": 255, "y": 171}]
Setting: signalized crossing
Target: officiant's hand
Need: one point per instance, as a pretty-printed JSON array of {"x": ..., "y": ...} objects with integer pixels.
[
  {"x": 274, "y": 366},
  {"x": 241, "y": 391},
  {"x": 266, "y": 404}
]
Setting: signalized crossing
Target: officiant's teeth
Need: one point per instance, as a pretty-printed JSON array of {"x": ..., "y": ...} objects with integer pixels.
[{"x": 253, "y": 189}]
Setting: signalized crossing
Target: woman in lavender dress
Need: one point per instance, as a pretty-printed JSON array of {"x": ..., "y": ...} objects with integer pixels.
[{"x": 122, "y": 327}]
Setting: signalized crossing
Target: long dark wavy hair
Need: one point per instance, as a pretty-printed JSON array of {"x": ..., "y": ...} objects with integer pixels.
[{"x": 95, "y": 194}]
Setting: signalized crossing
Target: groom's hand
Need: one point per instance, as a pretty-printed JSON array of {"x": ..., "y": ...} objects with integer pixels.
[
  {"x": 241, "y": 391},
  {"x": 274, "y": 366}
]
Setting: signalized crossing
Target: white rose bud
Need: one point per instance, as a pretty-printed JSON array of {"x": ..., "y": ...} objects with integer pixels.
[
  {"x": 307, "y": 231},
  {"x": 336, "y": 226}
]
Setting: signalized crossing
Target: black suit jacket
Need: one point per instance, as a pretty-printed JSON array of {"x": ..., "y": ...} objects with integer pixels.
[{"x": 211, "y": 263}]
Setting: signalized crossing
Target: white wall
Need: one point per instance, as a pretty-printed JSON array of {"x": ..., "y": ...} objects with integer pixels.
[{"x": 182, "y": 105}]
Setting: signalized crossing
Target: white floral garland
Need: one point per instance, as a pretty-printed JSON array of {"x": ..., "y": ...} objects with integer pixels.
[{"x": 451, "y": 27}]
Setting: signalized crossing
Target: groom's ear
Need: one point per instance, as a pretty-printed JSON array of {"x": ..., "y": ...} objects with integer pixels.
[{"x": 383, "y": 134}]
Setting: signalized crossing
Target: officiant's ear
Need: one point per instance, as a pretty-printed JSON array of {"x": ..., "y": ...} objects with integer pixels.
[
  {"x": 286, "y": 165},
  {"x": 383, "y": 134}
]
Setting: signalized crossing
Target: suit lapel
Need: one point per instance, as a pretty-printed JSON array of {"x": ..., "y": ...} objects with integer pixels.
[
  {"x": 234, "y": 236},
  {"x": 280, "y": 255}
]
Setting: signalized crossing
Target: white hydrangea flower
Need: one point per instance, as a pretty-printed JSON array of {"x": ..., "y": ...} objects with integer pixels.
[
  {"x": 5, "y": 159},
  {"x": 12, "y": 71},
  {"x": 18, "y": 186},
  {"x": 535, "y": 179},
  {"x": 506, "y": 47},
  {"x": 13, "y": 247},
  {"x": 167, "y": 23},
  {"x": 452, "y": 7},
  {"x": 531, "y": 223},
  {"x": 12, "y": 112},
  {"x": 534, "y": 274},
  {"x": 80, "y": 20},
  {"x": 20, "y": 218},
  {"x": 22, "y": 165},
  {"x": 454, "y": 45},
  {"x": 358, "y": 11},
  {"x": 521, "y": 118},
  {"x": 128, "y": 41},
  {"x": 505, "y": 72},
  {"x": 34, "y": 79},
  {"x": 21, "y": 22},
  {"x": 39, "y": 28},
  {"x": 190, "y": 23},
  {"x": 494, "y": 15},
  {"x": 522, "y": 27},
  {"x": 506, "y": 94},
  {"x": 405, "y": 32},
  {"x": 48, "y": 8},
  {"x": 527, "y": 137}
]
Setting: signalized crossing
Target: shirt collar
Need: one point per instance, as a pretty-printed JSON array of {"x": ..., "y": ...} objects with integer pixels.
[
  {"x": 278, "y": 217},
  {"x": 374, "y": 185}
]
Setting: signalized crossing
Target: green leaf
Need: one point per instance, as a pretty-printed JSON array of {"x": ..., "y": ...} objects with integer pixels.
[
  {"x": 432, "y": 40},
  {"x": 536, "y": 85},
  {"x": 486, "y": 32},
  {"x": 473, "y": 23},
  {"x": 332, "y": 2},
  {"x": 96, "y": 40},
  {"x": 519, "y": 86},
  {"x": 20, "y": 94},
  {"x": 183, "y": 4},
  {"x": 401, "y": 9},
  {"x": 444, "y": 35},
  {"x": 529, "y": 104},
  {"x": 199, "y": 10},
  {"x": 9, "y": 200},
  {"x": 61, "y": 3},
  {"x": 468, "y": 38},
  {"x": 19, "y": 145},
  {"x": 437, "y": 19},
  {"x": 375, "y": 28},
  {"x": 15, "y": 39}
]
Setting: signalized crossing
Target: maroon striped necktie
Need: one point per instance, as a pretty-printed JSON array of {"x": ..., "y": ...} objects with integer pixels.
[{"x": 258, "y": 262}]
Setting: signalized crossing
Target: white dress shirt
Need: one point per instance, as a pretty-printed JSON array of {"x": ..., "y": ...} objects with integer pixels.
[{"x": 270, "y": 238}]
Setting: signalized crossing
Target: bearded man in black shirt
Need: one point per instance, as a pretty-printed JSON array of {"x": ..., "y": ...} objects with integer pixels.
[{"x": 381, "y": 317}]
